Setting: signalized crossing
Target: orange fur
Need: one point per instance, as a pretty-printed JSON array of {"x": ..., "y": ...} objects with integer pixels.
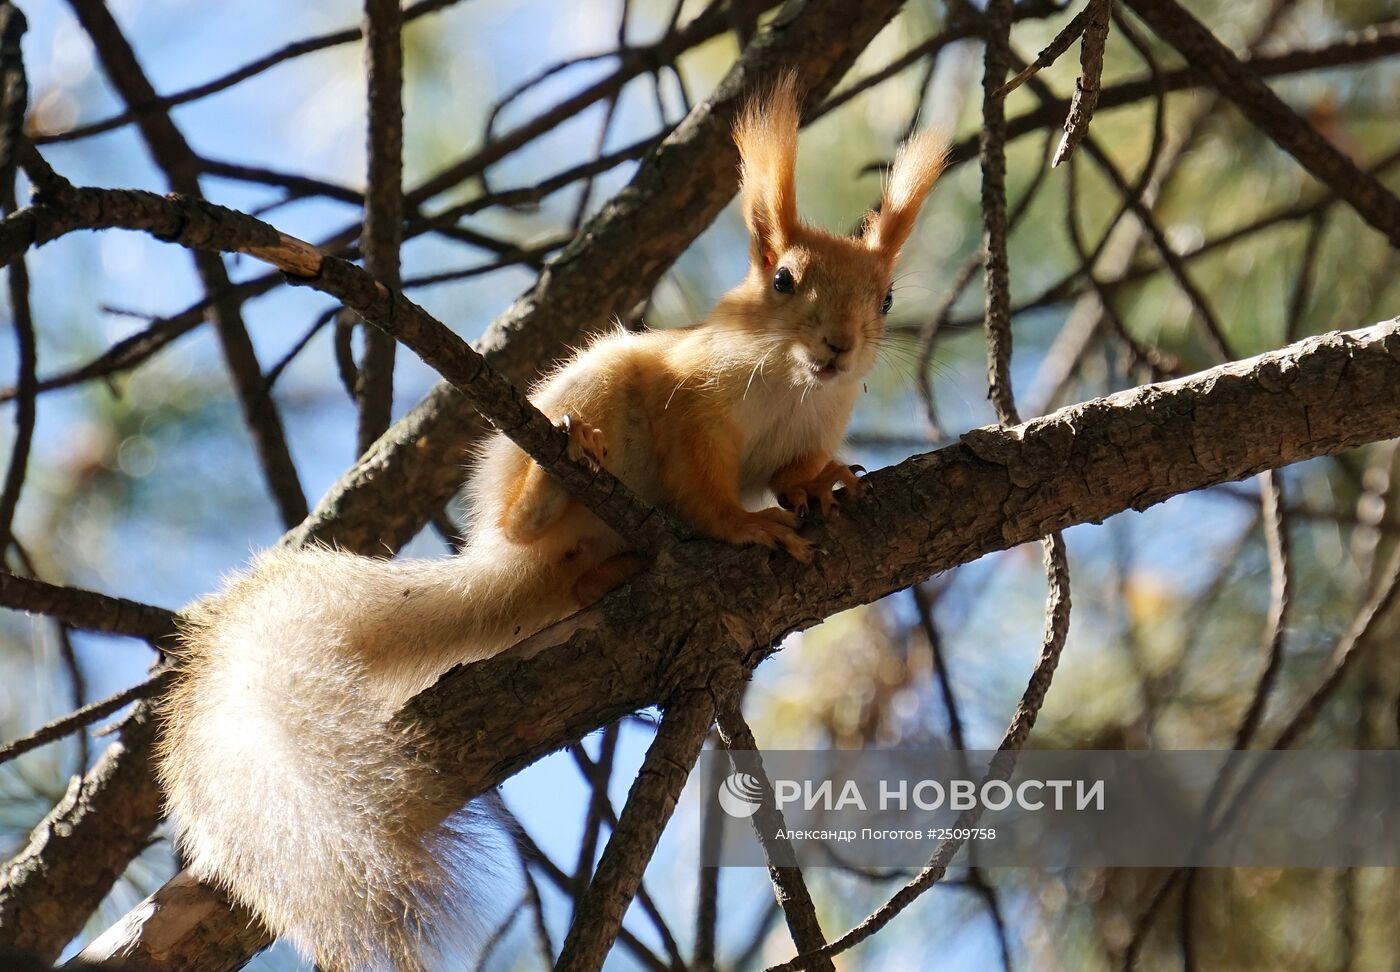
[
  {"x": 288, "y": 783},
  {"x": 766, "y": 134},
  {"x": 917, "y": 166}
]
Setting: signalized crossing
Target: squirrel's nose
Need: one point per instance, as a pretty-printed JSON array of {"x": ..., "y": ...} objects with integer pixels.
[{"x": 837, "y": 348}]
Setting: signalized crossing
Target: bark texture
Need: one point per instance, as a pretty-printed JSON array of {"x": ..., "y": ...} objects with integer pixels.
[
  {"x": 995, "y": 489},
  {"x": 709, "y": 605},
  {"x": 95, "y": 846}
]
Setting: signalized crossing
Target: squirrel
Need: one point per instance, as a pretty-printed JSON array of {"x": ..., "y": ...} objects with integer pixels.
[{"x": 288, "y": 782}]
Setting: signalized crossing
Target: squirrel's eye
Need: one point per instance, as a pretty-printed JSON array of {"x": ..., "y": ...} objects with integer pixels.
[
  {"x": 782, "y": 281},
  {"x": 888, "y": 302}
]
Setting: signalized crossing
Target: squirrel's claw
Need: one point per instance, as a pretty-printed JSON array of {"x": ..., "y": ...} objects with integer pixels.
[
  {"x": 795, "y": 499},
  {"x": 586, "y": 443},
  {"x": 821, "y": 489},
  {"x": 772, "y": 528}
]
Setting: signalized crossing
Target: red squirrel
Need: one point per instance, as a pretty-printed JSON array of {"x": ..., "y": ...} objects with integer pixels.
[{"x": 286, "y": 779}]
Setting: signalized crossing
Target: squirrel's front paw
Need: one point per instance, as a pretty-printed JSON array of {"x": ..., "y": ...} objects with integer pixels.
[
  {"x": 771, "y": 528},
  {"x": 586, "y": 443},
  {"x": 799, "y": 497}
]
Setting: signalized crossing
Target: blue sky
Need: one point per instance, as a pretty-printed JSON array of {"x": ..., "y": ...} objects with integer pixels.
[{"x": 192, "y": 505}]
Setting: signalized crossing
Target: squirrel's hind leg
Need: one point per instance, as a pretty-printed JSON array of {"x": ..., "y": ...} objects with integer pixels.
[
  {"x": 537, "y": 502},
  {"x": 613, "y": 572}
]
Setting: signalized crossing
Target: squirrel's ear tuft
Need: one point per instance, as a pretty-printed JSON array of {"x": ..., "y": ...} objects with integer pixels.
[
  {"x": 916, "y": 168},
  {"x": 766, "y": 134}
]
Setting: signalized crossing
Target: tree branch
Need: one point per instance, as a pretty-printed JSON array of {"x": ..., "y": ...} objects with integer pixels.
[
  {"x": 1372, "y": 201},
  {"x": 85, "y": 716},
  {"x": 649, "y": 805},
  {"x": 1086, "y": 86},
  {"x": 204, "y": 226},
  {"x": 181, "y": 167},
  {"x": 87, "y": 610},
  {"x": 789, "y": 889},
  {"x": 301, "y": 48},
  {"x": 993, "y": 490},
  {"x": 82, "y": 845},
  {"x": 383, "y": 230},
  {"x": 14, "y": 98}
]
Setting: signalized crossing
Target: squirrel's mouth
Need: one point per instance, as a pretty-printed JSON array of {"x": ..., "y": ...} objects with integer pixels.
[{"x": 825, "y": 372}]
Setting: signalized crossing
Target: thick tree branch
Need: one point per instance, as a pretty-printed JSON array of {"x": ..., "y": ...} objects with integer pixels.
[
  {"x": 993, "y": 490},
  {"x": 217, "y": 934},
  {"x": 103, "y": 822}
]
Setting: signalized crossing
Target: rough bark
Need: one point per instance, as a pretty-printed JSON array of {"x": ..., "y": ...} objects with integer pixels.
[
  {"x": 212, "y": 932},
  {"x": 86, "y": 609},
  {"x": 383, "y": 229},
  {"x": 610, "y": 268},
  {"x": 95, "y": 846},
  {"x": 714, "y": 605},
  {"x": 769, "y": 827},
  {"x": 650, "y": 803},
  {"x": 993, "y": 490},
  {"x": 415, "y": 467}
]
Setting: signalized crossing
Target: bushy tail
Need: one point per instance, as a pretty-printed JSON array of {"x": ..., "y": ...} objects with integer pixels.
[{"x": 288, "y": 782}]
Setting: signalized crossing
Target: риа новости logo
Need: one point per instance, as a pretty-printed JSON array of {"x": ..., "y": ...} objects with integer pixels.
[{"x": 740, "y": 795}]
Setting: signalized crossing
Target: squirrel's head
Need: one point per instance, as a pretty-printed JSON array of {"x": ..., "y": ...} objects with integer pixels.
[{"x": 823, "y": 295}]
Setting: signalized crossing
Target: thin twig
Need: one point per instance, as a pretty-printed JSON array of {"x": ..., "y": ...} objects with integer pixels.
[
  {"x": 85, "y": 716},
  {"x": 1070, "y": 33},
  {"x": 1373, "y": 202},
  {"x": 383, "y": 230},
  {"x": 711, "y": 842},
  {"x": 649, "y": 805},
  {"x": 181, "y": 167},
  {"x": 289, "y": 52},
  {"x": 977, "y": 881},
  {"x": 1056, "y": 629},
  {"x": 14, "y": 99},
  {"x": 1086, "y": 86},
  {"x": 631, "y": 63},
  {"x": 996, "y": 273},
  {"x": 789, "y": 888}
]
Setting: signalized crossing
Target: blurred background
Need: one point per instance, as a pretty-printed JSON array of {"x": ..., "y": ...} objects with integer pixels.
[{"x": 143, "y": 482}]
